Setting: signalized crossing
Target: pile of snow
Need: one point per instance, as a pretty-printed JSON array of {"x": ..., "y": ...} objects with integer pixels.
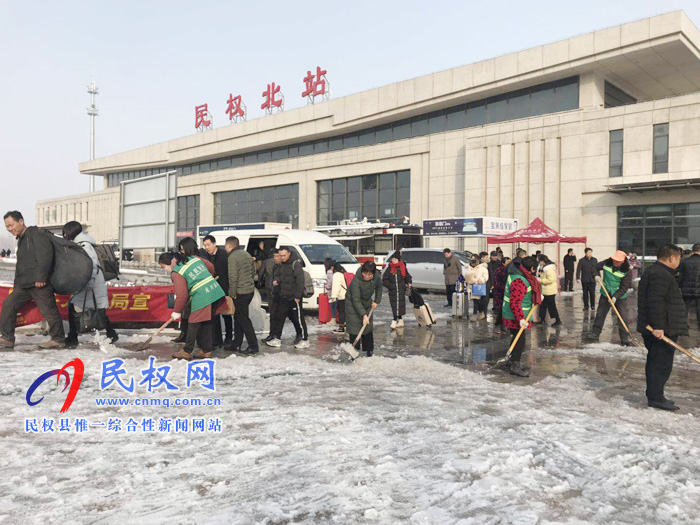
[{"x": 304, "y": 440}]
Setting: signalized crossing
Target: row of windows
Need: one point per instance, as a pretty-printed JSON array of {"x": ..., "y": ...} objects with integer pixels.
[
  {"x": 62, "y": 213},
  {"x": 383, "y": 196},
  {"x": 113, "y": 179},
  {"x": 660, "y": 151},
  {"x": 270, "y": 204},
  {"x": 562, "y": 95}
]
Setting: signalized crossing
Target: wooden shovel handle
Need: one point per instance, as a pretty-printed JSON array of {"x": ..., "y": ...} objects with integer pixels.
[{"x": 676, "y": 346}]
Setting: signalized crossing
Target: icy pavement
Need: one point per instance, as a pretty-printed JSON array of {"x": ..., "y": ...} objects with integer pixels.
[{"x": 420, "y": 433}]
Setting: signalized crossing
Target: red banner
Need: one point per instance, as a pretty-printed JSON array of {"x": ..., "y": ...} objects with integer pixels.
[{"x": 127, "y": 304}]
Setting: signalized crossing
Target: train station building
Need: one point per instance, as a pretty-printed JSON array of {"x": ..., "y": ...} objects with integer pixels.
[{"x": 598, "y": 135}]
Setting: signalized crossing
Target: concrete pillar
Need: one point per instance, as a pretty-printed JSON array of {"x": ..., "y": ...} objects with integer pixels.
[{"x": 591, "y": 91}]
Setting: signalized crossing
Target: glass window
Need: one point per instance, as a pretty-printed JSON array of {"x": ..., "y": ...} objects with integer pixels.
[
  {"x": 386, "y": 181},
  {"x": 367, "y": 137},
  {"x": 265, "y": 156},
  {"x": 369, "y": 182},
  {"x": 456, "y": 118},
  {"x": 225, "y": 163},
  {"x": 321, "y": 146},
  {"x": 384, "y": 134},
  {"x": 250, "y": 158},
  {"x": 280, "y": 153},
  {"x": 614, "y": 96},
  {"x": 616, "y": 148},
  {"x": 519, "y": 105},
  {"x": 403, "y": 179},
  {"x": 306, "y": 148},
  {"x": 476, "y": 114},
  {"x": 350, "y": 140},
  {"x": 402, "y": 129},
  {"x": 324, "y": 187},
  {"x": 335, "y": 144},
  {"x": 660, "y": 148},
  {"x": 419, "y": 126},
  {"x": 354, "y": 184},
  {"x": 566, "y": 94},
  {"x": 237, "y": 161},
  {"x": 497, "y": 109},
  {"x": 437, "y": 122},
  {"x": 293, "y": 151}
]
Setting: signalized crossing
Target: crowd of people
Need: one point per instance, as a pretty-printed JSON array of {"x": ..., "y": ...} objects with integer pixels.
[{"x": 214, "y": 286}]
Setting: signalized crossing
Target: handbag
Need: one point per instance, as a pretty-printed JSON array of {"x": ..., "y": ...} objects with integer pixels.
[
  {"x": 89, "y": 319},
  {"x": 230, "y": 308},
  {"x": 478, "y": 290}
]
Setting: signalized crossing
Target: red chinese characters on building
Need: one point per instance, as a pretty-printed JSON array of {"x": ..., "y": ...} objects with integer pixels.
[
  {"x": 269, "y": 96},
  {"x": 236, "y": 108},
  {"x": 202, "y": 118},
  {"x": 315, "y": 85}
]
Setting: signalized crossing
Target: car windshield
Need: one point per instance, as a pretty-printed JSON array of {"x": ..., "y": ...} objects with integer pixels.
[{"x": 318, "y": 253}]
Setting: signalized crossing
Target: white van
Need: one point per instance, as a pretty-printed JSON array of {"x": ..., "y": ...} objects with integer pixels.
[{"x": 311, "y": 247}]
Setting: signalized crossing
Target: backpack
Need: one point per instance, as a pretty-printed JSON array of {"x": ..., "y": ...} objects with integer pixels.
[
  {"x": 108, "y": 261},
  {"x": 72, "y": 266},
  {"x": 308, "y": 284}
]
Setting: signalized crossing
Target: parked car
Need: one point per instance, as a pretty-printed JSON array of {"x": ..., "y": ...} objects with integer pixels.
[{"x": 426, "y": 264}]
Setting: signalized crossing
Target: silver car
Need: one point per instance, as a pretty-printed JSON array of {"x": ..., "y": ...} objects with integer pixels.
[{"x": 426, "y": 264}]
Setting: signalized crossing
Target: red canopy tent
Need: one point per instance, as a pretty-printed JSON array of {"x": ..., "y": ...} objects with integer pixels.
[{"x": 537, "y": 232}]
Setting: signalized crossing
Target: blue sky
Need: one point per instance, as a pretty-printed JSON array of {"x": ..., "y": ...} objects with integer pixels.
[{"x": 155, "y": 60}]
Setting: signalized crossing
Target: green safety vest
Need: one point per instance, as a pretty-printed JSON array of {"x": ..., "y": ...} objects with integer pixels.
[
  {"x": 527, "y": 300},
  {"x": 611, "y": 280},
  {"x": 202, "y": 287}
]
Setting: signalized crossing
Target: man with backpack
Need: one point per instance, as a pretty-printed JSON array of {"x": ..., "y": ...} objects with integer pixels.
[
  {"x": 241, "y": 287},
  {"x": 290, "y": 280},
  {"x": 35, "y": 260}
]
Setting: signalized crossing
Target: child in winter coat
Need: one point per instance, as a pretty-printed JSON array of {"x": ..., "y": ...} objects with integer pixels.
[
  {"x": 365, "y": 292},
  {"x": 477, "y": 273},
  {"x": 397, "y": 281},
  {"x": 548, "y": 280},
  {"x": 339, "y": 289}
]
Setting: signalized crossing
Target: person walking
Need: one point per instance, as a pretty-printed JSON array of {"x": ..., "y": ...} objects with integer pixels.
[
  {"x": 241, "y": 288},
  {"x": 94, "y": 296},
  {"x": 451, "y": 271},
  {"x": 397, "y": 281},
  {"x": 219, "y": 259},
  {"x": 477, "y": 272},
  {"x": 328, "y": 264},
  {"x": 339, "y": 291},
  {"x": 660, "y": 305},
  {"x": 548, "y": 282},
  {"x": 586, "y": 272},
  {"x": 617, "y": 279},
  {"x": 494, "y": 262},
  {"x": 500, "y": 275},
  {"x": 268, "y": 278},
  {"x": 291, "y": 291},
  {"x": 569, "y": 261},
  {"x": 35, "y": 259},
  {"x": 690, "y": 282},
  {"x": 364, "y": 292},
  {"x": 522, "y": 293}
]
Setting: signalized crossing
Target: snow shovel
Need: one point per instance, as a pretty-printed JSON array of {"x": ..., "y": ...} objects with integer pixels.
[
  {"x": 137, "y": 347},
  {"x": 505, "y": 359},
  {"x": 624, "y": 325},
  {"x": 676, "y": 346},
  {"x": 351, "y": 350}
]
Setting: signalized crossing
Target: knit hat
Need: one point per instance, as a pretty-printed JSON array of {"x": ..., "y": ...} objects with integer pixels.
[{"x": 619, "y": 256}]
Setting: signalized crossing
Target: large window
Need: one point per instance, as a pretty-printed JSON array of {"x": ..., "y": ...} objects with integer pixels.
[
  {"x": 644, "y": 229},
  {"x": 660, "y": 148},
  {"x": 562, "y": 95},
  {"x": 187, "y": 213},
  {"x": 614, "y": 96},
  {"x": 383, "y": 196},
  {"x": 271, "y": 204},
  {"x": 615, "y": 157}
]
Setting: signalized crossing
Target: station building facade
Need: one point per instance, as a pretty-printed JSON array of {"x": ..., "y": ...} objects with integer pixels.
[{"x": 597, "y": 135}]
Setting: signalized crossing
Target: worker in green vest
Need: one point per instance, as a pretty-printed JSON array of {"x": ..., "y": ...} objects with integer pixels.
[
  {"x": 521, "y": 295},
  {"x": 617, "y": 280},
  {"x": 195, "y": 282}
]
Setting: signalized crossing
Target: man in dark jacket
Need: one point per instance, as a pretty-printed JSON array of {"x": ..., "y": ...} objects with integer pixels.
[
  {"x": 586, "y": 272},
  {"x": 268, "y": 276},
  {"x": 241, "y": 288},
  {"x": 660, "y": 306},
  {"x": 690, "y": 281},
  {"x": 569, "y": 260},
  {"x": 32, "y": 282},
  {"x": 617, "y": 279},
  {"x": 493, "y": 263},
  {"x": 290, "y": 280},
  {"x": 219, "y": 258}
]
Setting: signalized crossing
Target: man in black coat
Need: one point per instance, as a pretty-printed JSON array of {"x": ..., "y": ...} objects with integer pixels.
[
  {"x": 569, "y": 260},
  {"x": 290, "y": 283},
  {"x": 661, "y": 306},
  {"x": 690, "y": 281},
  {"x": 219, "y": 258},
  {"x": 586, "y": 272},
  {"x": 32, "y": 282}
]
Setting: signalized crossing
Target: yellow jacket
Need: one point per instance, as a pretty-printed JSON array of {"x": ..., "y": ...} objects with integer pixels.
[{"x": 548, "y": 280}]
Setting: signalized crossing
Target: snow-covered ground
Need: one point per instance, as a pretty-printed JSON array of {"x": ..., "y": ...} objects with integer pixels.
[{"x": 381, "y": 440}]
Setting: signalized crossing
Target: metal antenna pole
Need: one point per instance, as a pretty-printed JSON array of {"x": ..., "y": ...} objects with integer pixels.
[{"x": 92, "y": 112}]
